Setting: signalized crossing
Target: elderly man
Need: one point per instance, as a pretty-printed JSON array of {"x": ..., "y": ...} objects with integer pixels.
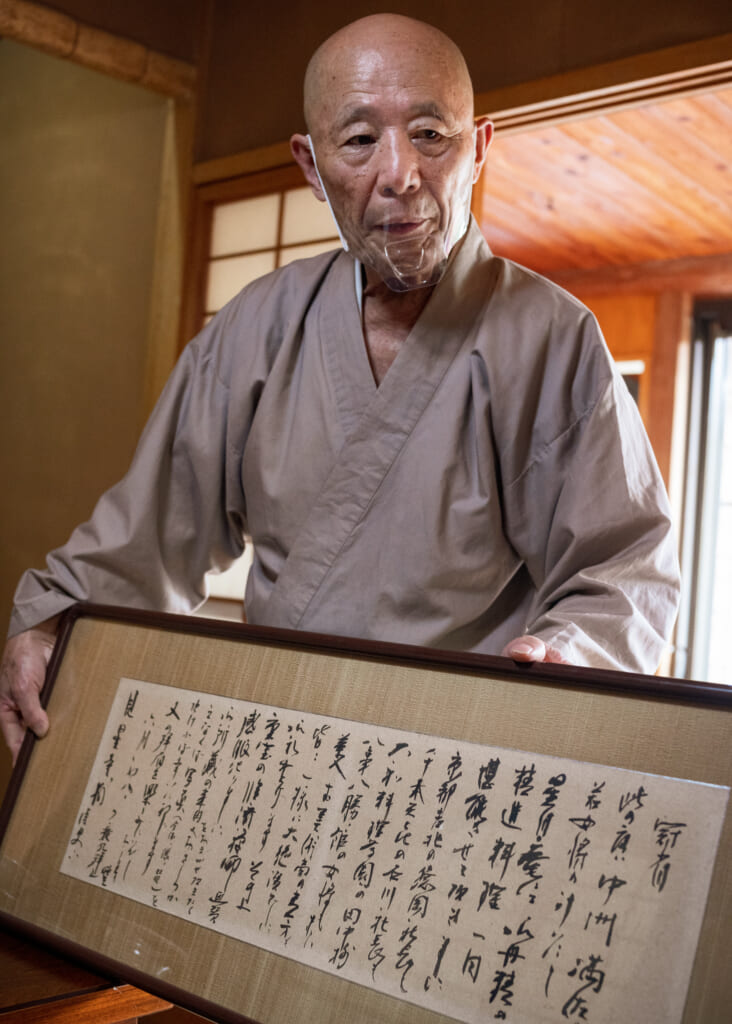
[{"x": 427, "y": 444}]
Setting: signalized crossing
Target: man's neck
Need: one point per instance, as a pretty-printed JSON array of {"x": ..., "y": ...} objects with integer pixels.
[{"x": 388, "y": 318}]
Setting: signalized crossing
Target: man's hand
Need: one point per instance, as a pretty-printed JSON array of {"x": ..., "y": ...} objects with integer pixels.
[
  {"x": 22, "y": 674},
  {"x": 531, "y": 648}
]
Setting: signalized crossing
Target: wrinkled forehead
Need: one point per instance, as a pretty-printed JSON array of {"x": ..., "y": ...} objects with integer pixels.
[{"x": 382, "y": 77}]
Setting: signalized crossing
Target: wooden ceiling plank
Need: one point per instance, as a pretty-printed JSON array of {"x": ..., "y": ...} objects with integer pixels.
[
  {"x": 706, "y": 119},
  {"x": 684, "y": 150},
  {"x": 724, "y": 97},
  {"x": 708, "y": 193},
  {"x": 556, "y": 245},
  {"x": 655, "y": 149},
  {"x": 708, "y": 133},
  {"x": 624, "y": 245},
  {"x": 566, "y": 234},
  {"x": 598, "y": 194},
  {"x": 575, "y": 246},
  {"x": 620, "y": 196},
  {"x": 720, "y": 103},
  {"x": 705, "y": 276},
  {"x": 549, "y": 193},
  {"x": 703, "y": 222},
  {"x": 567, "y": 248},
  {"x": 653, "y": 180},
  {"x": 637, "y": 185},
  {"x": 566, "y": 165},
  {"x": 506, "y": 226},
  {"x": 519, "y": 250}
]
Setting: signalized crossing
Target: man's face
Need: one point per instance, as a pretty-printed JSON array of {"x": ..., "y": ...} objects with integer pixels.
[{"x": 395, "y": 145}]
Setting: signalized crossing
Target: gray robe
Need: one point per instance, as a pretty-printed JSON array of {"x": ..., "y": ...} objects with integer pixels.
[{"x": 499, "y": 481}]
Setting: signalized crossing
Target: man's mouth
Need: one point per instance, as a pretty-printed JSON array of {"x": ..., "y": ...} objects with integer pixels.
[{"x": 403, "y": 228}]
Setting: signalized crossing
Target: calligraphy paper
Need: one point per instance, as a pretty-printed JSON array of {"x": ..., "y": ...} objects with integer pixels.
[{"x": 479, "y": 882}]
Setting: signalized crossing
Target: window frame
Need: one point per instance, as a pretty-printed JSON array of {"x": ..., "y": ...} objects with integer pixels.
[
  {"x": 712, "y": 328},
  {"x": 275, "y": 180}
]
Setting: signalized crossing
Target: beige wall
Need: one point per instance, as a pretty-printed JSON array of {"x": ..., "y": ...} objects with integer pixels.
[{"x": 79, "y": 189}]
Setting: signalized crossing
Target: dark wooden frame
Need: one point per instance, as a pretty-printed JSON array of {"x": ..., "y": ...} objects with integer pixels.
[{"x": 660, "y": 700}]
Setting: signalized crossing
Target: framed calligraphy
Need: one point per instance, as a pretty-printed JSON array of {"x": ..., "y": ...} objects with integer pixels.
[{"x": 271, "y": 826}]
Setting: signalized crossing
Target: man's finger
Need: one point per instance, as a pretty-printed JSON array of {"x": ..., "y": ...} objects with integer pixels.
[
  {"x": 14, "y": 726},
  {"x": 532, "y": 648},
  {"x": 525, "y": 648},
  {"x": 22, "y": 674}
]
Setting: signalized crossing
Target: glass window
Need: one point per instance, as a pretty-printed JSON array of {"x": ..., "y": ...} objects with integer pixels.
[
  {"x": 305, "y": 218},
  {"x": 632, "y": 371},
  {"x": 705, "y": 620},
  {"x": 252, "y": 236},
  {"x": 228, "y": 276},
  {"x": 245, "y": 224},
  {"x": 713, "y": 603}
]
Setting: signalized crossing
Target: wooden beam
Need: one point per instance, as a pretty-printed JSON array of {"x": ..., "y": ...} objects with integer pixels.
[
  {"x": 248, "y": 162},
  {"x": 673, "y": 317},
  {"x": 701, "y": 276},
  {"x": 63, "y": 36},
  {"x": 662, "y": 74},
  {"x": 676, "y": 71},
  {"x": 166, "y": 301}
]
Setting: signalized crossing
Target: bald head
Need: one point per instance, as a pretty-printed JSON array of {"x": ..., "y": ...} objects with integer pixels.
[
  {"x": 389, "y": 110},
  {"x": 391, "y": 40}
]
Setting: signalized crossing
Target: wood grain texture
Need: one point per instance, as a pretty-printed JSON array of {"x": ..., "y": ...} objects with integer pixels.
[
  {"x": 650, "y": 184},
  {"x": 121, "y": 1004},
  {"x": 57, "y": 34},
  {"x": 37, "y": 985}
]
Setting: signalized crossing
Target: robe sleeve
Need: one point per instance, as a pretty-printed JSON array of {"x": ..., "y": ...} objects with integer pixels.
[
  {"x": 590, "y": 517},
  {"x": 176, "y": 514}
]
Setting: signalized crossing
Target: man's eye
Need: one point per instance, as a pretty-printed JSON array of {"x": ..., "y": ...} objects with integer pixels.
[
  {"x": 428, "y": 134},
  {"x": 360, "y": 140}
]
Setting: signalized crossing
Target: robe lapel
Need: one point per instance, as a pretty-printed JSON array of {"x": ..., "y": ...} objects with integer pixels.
[
  {"x": 377, "y": 422},
  {"x": 341, "y": 336}
]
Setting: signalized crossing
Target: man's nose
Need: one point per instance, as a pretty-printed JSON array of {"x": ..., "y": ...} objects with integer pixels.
[{"x": 398, "y": 166}]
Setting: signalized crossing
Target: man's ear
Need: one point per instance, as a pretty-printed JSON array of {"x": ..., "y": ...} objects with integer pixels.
[
  {"x": 303, "y": 154},
  {"x": 483, "y": 136}
]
